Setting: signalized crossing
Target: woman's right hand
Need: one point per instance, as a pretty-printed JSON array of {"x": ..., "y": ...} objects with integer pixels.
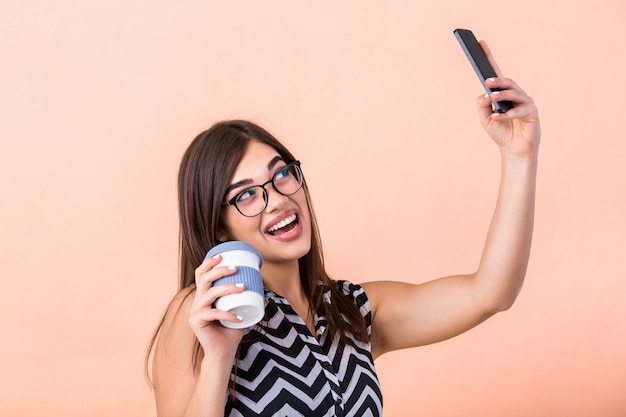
[{"x": 216, "y": 340}]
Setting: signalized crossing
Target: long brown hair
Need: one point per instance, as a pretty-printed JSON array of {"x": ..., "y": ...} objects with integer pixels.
[{"x": 204, "y": 176}]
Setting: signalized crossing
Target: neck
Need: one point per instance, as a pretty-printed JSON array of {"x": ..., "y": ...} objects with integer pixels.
[{"x": 283, "y": 278}]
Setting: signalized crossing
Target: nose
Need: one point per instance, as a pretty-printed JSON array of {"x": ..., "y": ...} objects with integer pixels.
[{"x": 275, "y": 200}]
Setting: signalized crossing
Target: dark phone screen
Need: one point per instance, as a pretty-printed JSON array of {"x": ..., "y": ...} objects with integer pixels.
[
  {"x": 468, "y": 39},
  {"x": 480, "y": 63}
]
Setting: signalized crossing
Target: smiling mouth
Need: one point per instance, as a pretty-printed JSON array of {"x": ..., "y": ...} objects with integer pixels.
[{"x": 284, "y": 226}]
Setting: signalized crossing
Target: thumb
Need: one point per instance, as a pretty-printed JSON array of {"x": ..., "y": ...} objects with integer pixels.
[{"x": 485, "y": 109}]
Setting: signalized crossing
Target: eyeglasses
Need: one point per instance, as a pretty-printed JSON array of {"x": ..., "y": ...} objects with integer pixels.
[{"x": 253, "y": 200}]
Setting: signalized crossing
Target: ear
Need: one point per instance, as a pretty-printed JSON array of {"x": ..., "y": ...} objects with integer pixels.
[{"x": 222, "y": 234}]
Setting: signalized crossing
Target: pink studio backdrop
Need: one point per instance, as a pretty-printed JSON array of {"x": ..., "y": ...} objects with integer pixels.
[{"x": 99, "y": 100}]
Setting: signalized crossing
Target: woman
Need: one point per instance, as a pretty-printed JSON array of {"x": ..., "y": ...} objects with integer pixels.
[{"x": 313, "y": 352}]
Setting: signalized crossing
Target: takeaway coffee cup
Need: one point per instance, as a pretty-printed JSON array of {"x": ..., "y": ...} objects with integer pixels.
[{"x": 248, "y": 304}]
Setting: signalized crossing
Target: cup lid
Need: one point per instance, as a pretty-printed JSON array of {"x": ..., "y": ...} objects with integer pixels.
[{"x": 233, "y": 245}]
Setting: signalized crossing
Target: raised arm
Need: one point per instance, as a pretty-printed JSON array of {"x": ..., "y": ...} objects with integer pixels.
[{"x": 407, "y": 315}]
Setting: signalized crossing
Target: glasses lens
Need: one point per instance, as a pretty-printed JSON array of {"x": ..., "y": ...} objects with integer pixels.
[
  {"x": 251, "y": 201},
  {"x": 288, "y": 179}
]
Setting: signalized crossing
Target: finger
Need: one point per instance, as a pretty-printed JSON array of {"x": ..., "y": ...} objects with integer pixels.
[
  {"x": 505, "y": 89},
  {"x": 208, "y": 316},
  {"x": 527, "y": 111},
  {"x": 206, "y": 301},
  {"x": 502, "y": 83},
  {"x": 485, "y": 107},
  {"x": 490, "y": 58},
  {"x": 215, "y": 292},
  {"x": 518, "y": 98},
  {"x": 207, "y": 265},
  {"x": 205, "y": 280}
]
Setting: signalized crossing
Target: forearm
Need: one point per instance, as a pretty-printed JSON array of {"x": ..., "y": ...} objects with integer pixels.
[{"x": 506, "y": 252}]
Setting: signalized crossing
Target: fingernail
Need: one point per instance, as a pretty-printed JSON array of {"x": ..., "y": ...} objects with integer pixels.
[
  {"x": 231, "y": 267},
  {"x": 239, "y": 284},
  {"x": 491, "y": 80},
  {"x": 495, "y": 93},
  {"x": 239, "y": 318}
]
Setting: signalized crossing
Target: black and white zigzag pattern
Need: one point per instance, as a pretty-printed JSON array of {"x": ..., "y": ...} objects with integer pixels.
[{"x": 283, "y": 370}]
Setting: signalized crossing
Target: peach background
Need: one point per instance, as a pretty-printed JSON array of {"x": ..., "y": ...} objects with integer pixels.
[{"x": 99, "y": 100}]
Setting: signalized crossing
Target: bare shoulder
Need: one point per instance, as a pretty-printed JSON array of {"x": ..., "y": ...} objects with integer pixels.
[
  {"x": 175, "y": 342},
  {"x": 178, "y": 308}
]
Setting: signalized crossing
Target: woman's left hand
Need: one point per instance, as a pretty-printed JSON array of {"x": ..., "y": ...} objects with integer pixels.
[{"x": 517, "y": 131}]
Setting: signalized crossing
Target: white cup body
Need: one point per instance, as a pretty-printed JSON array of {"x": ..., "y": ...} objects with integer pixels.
[{"x": 248, "y": 305}]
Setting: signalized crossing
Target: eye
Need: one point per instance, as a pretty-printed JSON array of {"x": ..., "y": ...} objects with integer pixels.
[
  {"x": 248, "y": 196},
  {"x": 281, "y": 173}
]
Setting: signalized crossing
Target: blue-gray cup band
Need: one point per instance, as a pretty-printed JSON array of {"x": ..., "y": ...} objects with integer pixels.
[{"x": 249, "y": 276}]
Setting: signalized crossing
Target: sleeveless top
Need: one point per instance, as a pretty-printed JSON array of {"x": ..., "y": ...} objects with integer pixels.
[{"x": 283, "y": 370}]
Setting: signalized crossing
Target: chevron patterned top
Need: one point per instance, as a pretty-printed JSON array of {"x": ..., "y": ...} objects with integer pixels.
[{"x": 283, "y": 370}]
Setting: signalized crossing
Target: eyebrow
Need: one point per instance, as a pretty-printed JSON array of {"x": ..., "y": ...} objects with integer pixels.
[{"x": 248, "y": 181}]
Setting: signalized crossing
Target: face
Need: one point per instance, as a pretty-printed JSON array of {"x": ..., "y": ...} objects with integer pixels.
[{"x": 282, "y": 232}]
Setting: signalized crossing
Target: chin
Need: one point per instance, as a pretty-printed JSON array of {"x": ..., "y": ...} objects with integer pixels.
[{"x": 289, "y": 251}]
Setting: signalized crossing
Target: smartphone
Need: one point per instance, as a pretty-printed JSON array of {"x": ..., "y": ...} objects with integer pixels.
[{"x": 480, "y": 63}]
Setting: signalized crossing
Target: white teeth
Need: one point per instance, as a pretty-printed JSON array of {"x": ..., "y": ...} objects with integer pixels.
[{"x": 282, "y": 223}]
